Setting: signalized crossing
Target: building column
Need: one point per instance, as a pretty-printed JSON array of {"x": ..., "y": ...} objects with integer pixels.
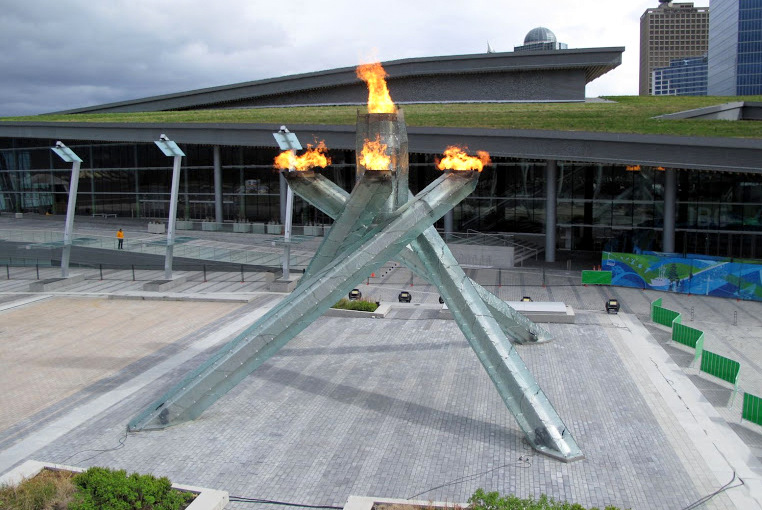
[
  {"x": 551, "y": 184},
  {"x": 670, "y": 199},
  {"x": 217, "y": 185}
]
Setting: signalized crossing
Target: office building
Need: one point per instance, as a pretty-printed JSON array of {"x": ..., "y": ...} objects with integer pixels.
[
  {"x": 673, "y": 30},
  {"x": 683, "y": 77},
  {"x": 735, "y": 48}
]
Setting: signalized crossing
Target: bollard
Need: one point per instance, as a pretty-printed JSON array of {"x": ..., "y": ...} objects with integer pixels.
[
  {"x": 543, "y": 277},
  {"x": 691, "y": 313},
  {"x": 735, "y": 318},
  {"x": 37, "y": 267},
  {"x": 204, "y": 273},
  {"x": 241, "y": 273},
  {"x": 100, "y": 271},
  {"x": 133, "y": 272},
  {"x": 8, "y": 271}
]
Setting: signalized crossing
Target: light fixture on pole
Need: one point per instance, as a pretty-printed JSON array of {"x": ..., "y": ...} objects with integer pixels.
[
  {"x": 69, "y": 156},
  {"x": 287, "y": 141},
  {"x": 170, "y": 148}
]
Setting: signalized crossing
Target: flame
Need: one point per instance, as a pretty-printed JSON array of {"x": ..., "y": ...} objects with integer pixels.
[
  {"x": 456, "y": 159},
  {"x": 379, "y": 100},
  {"x": 374, "y": 155},
  {"x": 310, "y": 159}
]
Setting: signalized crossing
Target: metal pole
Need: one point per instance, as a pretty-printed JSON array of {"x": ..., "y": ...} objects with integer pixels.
[
  {"x": 287, "y": 233},
  {"x": 69, "y": 226},
  {"x": 172, "y": 217}
]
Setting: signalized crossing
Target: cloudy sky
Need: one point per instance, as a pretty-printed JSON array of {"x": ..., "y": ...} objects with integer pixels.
[{"x": 65, "y": 54}]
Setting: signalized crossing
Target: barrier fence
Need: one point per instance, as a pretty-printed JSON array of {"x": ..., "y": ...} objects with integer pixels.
[
  {"x": 689, "y": 336},
  {"x": 752, "y": 408},
  {"x": 596, "y": 277},
  {"x": 722, "y": 367},
  {"x": 664, "y": 316}
]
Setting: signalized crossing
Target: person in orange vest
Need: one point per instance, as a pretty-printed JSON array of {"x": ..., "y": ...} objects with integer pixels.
[{"x": 120, "y": 237}]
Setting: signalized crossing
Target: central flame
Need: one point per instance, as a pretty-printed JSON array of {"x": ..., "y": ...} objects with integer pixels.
[
  {"x": 374, "y": 155},
  {"x": 457, "y": 159},
  {"x": 310, "y": 159},
  {"x": 379, "y": 100}
]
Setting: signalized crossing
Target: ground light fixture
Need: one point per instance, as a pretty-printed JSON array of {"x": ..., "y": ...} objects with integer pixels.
[
  {"x": 526, "y": 299},
  {"x": 405, "y": 297},
  {"x": 170, "y": 148},
  {"x": 612, "y": 305},
  {"x": 68, "y": 156},
  {"x": 287, "y": 141},
  {"x": 354, "y": 295}
]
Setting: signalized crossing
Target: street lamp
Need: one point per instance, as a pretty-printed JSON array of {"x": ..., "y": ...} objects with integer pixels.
[
  {"x": 170, "y": 148},
  {"x": 69, "y": 156},
  {"x": 287, "y": 141}
]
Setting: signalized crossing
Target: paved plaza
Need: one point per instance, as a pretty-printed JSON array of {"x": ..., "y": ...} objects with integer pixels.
[{"x": 396, "y": 407}]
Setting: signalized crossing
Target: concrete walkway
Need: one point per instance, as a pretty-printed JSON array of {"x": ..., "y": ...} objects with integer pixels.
[{"x": 397, "y": 407}]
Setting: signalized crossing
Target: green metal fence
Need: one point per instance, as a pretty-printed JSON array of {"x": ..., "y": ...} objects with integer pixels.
[
  {"x": 596, "y": 277},
  {"x": 689, "y": 336},
  {"x": 722, "y": 367},
  {"x": 664, "y": 316},
  {"x": 752, "y": 408}
]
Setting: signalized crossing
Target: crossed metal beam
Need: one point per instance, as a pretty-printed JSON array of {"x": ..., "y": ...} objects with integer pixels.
[{"x": 378, "y": 221}]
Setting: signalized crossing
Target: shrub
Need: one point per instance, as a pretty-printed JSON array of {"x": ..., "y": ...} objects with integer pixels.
[
  {"x": 49, "y": 489},
  {"x": 493, "y": 501},
  {"x": 361, "y": 305},
  {"x": 105, "y": 488}
]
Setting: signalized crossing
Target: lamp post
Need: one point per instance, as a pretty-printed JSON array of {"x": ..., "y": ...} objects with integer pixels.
[
  {"x": 69, "y": 156},
  {"x": 287, "y": 141},
  {"x": 170, "y": 148}
]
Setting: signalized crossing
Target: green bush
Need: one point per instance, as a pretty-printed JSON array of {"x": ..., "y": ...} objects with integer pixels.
[
  {"x": 361, "y": 305},
  {"x": 493, "y": 501},
  {"x": 100, "y": 488}
]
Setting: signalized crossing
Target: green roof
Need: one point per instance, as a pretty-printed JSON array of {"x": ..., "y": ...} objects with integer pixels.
[{"x": 621, "y": 114}]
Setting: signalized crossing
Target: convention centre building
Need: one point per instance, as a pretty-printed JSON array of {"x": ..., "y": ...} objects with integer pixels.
[{"x": 570, "y": 190}]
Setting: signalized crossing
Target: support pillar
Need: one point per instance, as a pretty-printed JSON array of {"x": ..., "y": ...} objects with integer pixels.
[
  {"x": 551, "y": 184},
  {"x": 670, "y": 199},
  {"x": 217, "y": 185},
  {"x": 172, "y": 220}
]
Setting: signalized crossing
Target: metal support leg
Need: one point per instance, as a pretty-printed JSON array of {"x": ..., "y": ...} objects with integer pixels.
[
  {"x": 71, "y": 208},
  {"x": 172, "y": 217}
]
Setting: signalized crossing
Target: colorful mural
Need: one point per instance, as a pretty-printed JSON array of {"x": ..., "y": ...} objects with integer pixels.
[{"x": 693, "y": 274}]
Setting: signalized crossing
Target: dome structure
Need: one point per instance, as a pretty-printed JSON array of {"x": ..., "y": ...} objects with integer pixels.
[{"x": 540, "y": 35}]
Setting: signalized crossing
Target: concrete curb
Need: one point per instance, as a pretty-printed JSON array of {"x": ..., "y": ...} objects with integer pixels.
[
  {"x": 367, "y": 503},
  {"x": 207, "y": 499}
]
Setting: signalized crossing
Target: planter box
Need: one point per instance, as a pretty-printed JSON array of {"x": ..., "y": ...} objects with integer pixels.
[
  {"x": 258, "y": 228},
  {"x": 157, "y": 228},
  {"x": 313, "y": 230},
  {"x": 274, "y": 228},
  {"x": 183, "y": 225},
  {"x": 241, "y": 227},
  {"x": 368, "y": 503},
  {"x": 210, "y": 226},
  {"x": 207, "y": 499}
]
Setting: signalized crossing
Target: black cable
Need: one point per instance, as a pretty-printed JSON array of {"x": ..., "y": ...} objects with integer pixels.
[
  {"x": 118, "y": 447},
  {"x": 706, "y": 498},
  {"x": 241, "y": 499}
]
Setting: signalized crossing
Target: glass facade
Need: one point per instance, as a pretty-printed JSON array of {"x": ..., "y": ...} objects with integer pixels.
[
  {"x": 599, "y": 207},
  {"x": 683, "y": 77},
  {"x": 735, "y": 48}
]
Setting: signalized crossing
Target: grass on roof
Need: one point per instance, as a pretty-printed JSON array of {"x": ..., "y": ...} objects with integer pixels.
[{"x": 624, "y": 114}]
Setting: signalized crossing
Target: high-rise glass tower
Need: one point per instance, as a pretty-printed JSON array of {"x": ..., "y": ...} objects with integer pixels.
[
  {"x": 674, "y": 30},
  {"x": 735, "y": 48}
]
